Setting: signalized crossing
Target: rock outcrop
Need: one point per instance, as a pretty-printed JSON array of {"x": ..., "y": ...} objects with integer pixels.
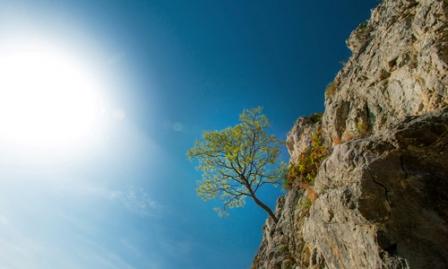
[{"x": 380, "y": 197}]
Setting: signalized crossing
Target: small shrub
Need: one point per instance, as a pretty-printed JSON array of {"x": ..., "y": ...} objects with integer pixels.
[
  {"x": 304, "y": 207},
  {"x": 330, "y": 90},
  {"x": 303, "y": 172},
  {"x": 363, "y": 25},
  {"x": 287, "y": 182},
  {"x": 307, "y": 203},
  {"x": 316, "y": 117}
]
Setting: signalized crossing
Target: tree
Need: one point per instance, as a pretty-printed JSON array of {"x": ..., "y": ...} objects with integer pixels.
[{"x": 235, "y": 162}]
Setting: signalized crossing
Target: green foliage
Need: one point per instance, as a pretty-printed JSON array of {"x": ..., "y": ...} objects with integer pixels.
[
  {"x": 330, "y": 90},
  {"x": 303, "y": 172},
  {"x": 306, "y": 204},
  {"x": 316, "y": 117},
  {"x": 235, "y": 162},
  {"x": 363, "y": 25}
]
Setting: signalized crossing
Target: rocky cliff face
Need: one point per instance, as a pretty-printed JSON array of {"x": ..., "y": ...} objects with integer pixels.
[{"x": 380, "y": 197}]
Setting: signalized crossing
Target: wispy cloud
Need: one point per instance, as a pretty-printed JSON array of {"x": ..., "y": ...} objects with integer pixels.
[
  {"x": 175, "y": 126},
  {"x": 135, "y": 199}
]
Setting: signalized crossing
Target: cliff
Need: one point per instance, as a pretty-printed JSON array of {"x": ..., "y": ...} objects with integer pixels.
[{"x": 379, "y": 195}]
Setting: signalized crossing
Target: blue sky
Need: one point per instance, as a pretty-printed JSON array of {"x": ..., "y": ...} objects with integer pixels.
[{"x": 170, "y": 69}]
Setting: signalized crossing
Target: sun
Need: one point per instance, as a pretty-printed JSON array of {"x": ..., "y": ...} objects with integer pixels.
[{"x": 48, "y": 99}]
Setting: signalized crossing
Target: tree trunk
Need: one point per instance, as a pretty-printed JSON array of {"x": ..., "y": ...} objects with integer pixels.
[
  {"x": 265, "y": 207},
  {"x": 258, "y": 201}
]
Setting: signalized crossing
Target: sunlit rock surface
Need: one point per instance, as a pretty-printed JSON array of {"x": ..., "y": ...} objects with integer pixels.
[{"x": 381, "y": 196}]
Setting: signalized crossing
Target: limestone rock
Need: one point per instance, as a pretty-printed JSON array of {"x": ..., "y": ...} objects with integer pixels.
[
  {"x": 299, "y": 138},
  {"x": 399, "y": 68},
  {"x": 383, "y": 200},
  {"x": 381, "y": 196}
]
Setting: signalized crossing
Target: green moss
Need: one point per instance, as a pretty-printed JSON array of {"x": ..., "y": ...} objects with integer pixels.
[
  {"x": 303, "y": 207},
  {"x": 283, "y": 248},
  {"x": 307, "y": 203},
  {"x": 362, "y": 128}
]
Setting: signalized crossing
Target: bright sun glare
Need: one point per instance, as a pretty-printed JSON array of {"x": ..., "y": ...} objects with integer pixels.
[{"x": 47, "y": 98}]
